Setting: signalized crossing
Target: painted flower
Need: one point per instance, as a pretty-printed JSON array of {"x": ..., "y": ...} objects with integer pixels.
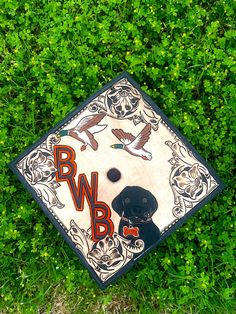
[
  {"x": 123, "y": 100},
  {"x": 190, "y": 181},
  {"x": 40, "y": 166},
  {"x": 106, "y": 254}
]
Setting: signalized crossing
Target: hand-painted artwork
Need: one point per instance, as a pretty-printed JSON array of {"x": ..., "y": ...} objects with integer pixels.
[
  {"x": 116, "y": 177},
  {"x": 134, "y": 145},
  {"x": 85, "y": 129}
]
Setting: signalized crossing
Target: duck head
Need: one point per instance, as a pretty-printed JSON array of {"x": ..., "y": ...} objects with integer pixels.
[
  {"x": 118, "y": 146},
  {"x": 63, "y": 133}
]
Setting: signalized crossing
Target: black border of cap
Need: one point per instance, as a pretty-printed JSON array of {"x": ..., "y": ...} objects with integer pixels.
[{"x": 179, "y": 223}]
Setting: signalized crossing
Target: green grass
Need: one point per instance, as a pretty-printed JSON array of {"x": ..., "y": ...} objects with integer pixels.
[{"x": 53, "y": 56}]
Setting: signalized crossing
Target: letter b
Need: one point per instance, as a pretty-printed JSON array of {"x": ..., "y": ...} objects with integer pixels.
[{"x": 64, "y": 157}]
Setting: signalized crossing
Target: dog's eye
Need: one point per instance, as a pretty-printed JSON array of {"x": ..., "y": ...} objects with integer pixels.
[
  {"x": 144, "y": 200},
  {"x": 127, "y": 200}
]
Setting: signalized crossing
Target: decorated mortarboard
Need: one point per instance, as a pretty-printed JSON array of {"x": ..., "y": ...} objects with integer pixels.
[{"x": 116, "y": 177}]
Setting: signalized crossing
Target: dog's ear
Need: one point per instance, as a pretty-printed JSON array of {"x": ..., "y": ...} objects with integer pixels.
[
  {"x": 117, "y": 203},
  {"x": 153, "y": 204}
]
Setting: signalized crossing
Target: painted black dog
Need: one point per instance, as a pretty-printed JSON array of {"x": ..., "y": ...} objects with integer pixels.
[{"x": 136, "y": 206}]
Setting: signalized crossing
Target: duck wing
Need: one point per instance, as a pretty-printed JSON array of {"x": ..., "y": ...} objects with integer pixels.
[
  {"x": 89, "y": 121},
  {"x": 125, "y": 138},
  {"x": 142, "y": 137},
  {"x": 92, "y": 142}
]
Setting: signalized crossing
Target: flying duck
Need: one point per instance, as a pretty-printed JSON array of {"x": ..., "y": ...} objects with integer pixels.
[
  {"x": 134, "y": 145},
  {"x": 85, "y": 129}
]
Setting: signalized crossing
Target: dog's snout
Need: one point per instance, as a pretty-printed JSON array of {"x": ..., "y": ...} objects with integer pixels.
[{"x": 137, "y": 209}]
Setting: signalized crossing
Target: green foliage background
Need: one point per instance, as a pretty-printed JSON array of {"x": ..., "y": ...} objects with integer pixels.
[{"x": 54, "y": 54}]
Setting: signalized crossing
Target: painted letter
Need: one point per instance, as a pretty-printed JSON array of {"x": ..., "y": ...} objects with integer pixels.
[{"x": 99, "y": 211}]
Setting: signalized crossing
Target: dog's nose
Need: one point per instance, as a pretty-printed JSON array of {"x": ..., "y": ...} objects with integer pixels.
[{"x": 137, "y": 209}]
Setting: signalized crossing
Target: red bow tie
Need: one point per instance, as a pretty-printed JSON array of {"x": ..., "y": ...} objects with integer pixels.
[{"x": 134, "y": 231}]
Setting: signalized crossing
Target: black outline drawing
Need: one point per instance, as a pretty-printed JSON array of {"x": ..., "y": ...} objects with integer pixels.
[
  {"x": 39, "y": 171},
  {"x": 190, "y": 181}
]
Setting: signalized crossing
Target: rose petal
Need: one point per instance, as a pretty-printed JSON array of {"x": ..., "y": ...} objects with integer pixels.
[
  {"x": 101, "y": 245},
  {"x": 109, "y": 242},
  {"x": 49, "y": 163},
  {"x": 46, "y": 173},
  {"x": 182, "y": 180},
  {"x": 36, "y": 176},
  {"x": 190, "y": 190},
  {"x": 194, "y": 172},
  {"x": 40, "y": 157},
  {"x": 96, "y": 253},
  {"x": 197, "y": 181},
  {"x": 114, "y": 254},
  {"x": 52, "y": 169}
]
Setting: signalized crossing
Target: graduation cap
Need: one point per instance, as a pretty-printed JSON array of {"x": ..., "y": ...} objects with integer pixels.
[{"x": 116, "y": 177}]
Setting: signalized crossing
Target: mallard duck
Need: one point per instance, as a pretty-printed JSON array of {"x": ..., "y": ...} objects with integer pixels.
[
  {"x": 85, "y": 129},
  {"x": 134, "y": 145}
]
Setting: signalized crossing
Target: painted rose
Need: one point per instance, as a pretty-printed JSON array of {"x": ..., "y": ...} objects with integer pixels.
[
  {"x": 39, "y": 167},
  {"x": 106, "y": 254},
  {"x": 190, "y": 181}
]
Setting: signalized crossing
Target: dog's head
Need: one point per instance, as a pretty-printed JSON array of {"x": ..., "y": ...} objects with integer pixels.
[{"x": 135, "y": 203}]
